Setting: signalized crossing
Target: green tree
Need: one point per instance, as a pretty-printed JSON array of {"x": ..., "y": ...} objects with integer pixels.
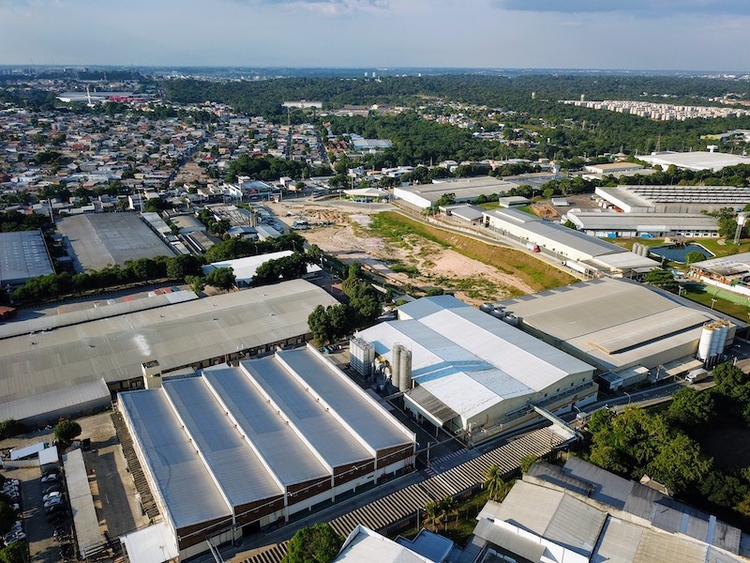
[
  {"x": 222, "y": 278},
  {"x": 662, "y": 279},
  {"x": 320, "y": 325},
  {"x": 315, "y": 544},
  {"x": 680, "y": 465},
  {"x": 66, "y": 431},
  {"x": 496, "y": 486},
  {"x": 17, "y": 552},
  {"x": 570, "y": 224},
  {"x": 690, "y": 408},
  {"x": 693, "y": 257},
  {"x": 526, "y": 463},
  {"x": 10, "y": 427},
  {"x": 196, "y": 283}
]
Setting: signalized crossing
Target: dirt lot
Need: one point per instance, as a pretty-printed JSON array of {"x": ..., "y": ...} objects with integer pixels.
[{"x": 410, "y": 260}]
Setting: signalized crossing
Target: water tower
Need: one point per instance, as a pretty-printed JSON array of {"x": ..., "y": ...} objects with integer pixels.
[{"x": 741, "y": 218}]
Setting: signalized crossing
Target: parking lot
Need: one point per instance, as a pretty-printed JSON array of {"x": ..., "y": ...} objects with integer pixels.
[{"x": 113, "y": 492}]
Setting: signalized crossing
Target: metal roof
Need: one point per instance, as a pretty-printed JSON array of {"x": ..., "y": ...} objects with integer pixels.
[
  {"x": 113, "y": 348},
  {"x": 324, "y": 432},
  {"x": 279, "y": 445},
  {"x": 602, "y": 220},
  {"x": 726, "y": 265},
  {"x": 23, "y": 255},
  {"x": 493, "y": 532},
  {"x": 431, "y": 404},
  {"x": 365, "y": 546},
  {"x": 88, "y": 533},
  {"x": 228, "y": 456},
  {"x": 182, "y": 480},
  {"x": 365, "y": 417}
]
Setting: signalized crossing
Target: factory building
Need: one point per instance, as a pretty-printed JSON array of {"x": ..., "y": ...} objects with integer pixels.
[
  {"x": 582, "y": 253},
  {"x": 625, "y": 329},
  {"x": 673, "y": 199},
  {"x": 23, "y": 256},
  {"x": 239, "y": 448},
  {"x": 423, "y": 196},
  {"x": 605, "y": 224},
  {"x": 469, "y": 372},
  {"x": 70, "y": 364},
  {"x": 694, "y": 160}
]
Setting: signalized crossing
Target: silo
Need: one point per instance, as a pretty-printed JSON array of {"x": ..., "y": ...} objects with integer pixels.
[
  {"x": 723, "y": 331},
  {"x": 704, "y": 344},
  {"x": 405, "y": 371},
  {"x": 361, "y": 356},
  {"x": 396, "y": 365},
  {"x": 637, "y": 248}
]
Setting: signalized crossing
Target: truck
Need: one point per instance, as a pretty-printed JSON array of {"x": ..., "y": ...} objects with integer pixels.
[
  {"x": 696, "y": 375},
  {"x": 533, "y": 247}
]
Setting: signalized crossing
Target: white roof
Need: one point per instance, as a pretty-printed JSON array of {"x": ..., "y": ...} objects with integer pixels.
[
  {"x": 468, "y": 359},
  {"x": 154, "y": 544},
  {"x": 697, "y": 160},
  {"x": 244, "y": 268},
  {"x": 366, "y": 546}
]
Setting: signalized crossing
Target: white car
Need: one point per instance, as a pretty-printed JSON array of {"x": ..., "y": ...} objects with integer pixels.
[
  {"x": 52, "y": 477},
  {"x": 14, "y": 537},
  {"x": 50, "y": 496}
]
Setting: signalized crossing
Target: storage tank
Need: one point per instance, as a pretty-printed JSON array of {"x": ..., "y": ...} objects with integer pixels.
[
  {"x": 709, "y": 341},
  {"x": 362, "y": 356},
  {"x": 405, "y": 370},
  {"x": 723, "y": 331},
  {"x": 637, "y": 248},
  {"x": 396, "y": 365}
]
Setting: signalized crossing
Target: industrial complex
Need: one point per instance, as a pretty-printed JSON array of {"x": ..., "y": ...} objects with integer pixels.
[
  {"x": 469, "y": 372},
  {"x": 23, "y": 255},
  {"x": 605, "y": 224},
  {"x": 694, "y": 160},
  {"x": 69, "y": 364},
  {"x": 731, "y": 273},
  {"x": 627, "y": 330},
  {"x": 580, "y": 252},
  {"x": 240, "y": 447},
  {"x": 426, "y": 195}
]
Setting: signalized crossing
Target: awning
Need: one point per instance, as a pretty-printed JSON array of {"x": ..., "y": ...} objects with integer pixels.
[{"x": 430, "y": 406}]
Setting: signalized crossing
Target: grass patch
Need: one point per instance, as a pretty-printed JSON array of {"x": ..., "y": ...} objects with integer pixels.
[
  {"x": 402, "y": 268},
  {"x": 536, "y": 274},
  {"x": 703, "y": 296}
]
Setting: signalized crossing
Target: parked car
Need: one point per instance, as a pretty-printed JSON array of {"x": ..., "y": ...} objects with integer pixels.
[
  {"x": 50, "y": 469},
  {"x": 55, "y": 508},
  {"x": 13, "y": 537},
  {"x": 51, "y": 495},
  {"x": 55, "y": 487},
  {"x": 53, "y": 502},
  {"x": 51, "y": 478}
]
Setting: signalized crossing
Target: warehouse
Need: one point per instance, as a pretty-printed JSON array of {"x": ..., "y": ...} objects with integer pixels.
[
  {"x": 69, "y": 363},
  {"x": 244, "y": 269},
  {"x": 673, "y": 199},
  {"x": 240, "y": 448},
  {"x": 23, "y": 255},
  {"x": 469, "y": 372},
  {"x": 423, "y": 196},
  {"x": 731, "y": 273},
  {"x": 619, "y": 326},
  {"x": 580, "y": 252},
  {"x": 695, "y": 160},
  {"x": 605, "y": 224}
]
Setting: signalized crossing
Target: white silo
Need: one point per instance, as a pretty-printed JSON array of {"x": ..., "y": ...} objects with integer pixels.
[
  {"x": 723, "y": 331},
  {"x": 396, "y": 365},
  {"x": 405, "y": 371},
  {"x": 705, "y": 343}
]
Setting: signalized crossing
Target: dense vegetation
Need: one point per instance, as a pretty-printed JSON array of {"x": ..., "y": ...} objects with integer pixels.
[
  {"x": 316, "y": 544},
  {"x": 671, "y": 446}
]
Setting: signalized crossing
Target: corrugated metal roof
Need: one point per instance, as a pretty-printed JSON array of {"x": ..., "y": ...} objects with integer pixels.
[
  {"x": 500, "y": 536},
  {"x": 88, "y": 534},
  {"x": 324, "y": 432},
  {"x": 23, "y": 255},
  {"x": 608, "y": 487},
  {"x": 230, "y": 459},
  {"x": 367, "y": 419},
  {"x": 182, "y": 480},
  {"x": 93, "y": 394},
  {"x": 431, "y": 404},
  {"x": 178, "y": 335},
  {"x": 619, "y": 542},
  {"x": 286, "y": 454},
  {"x": 575, "y": 525}
]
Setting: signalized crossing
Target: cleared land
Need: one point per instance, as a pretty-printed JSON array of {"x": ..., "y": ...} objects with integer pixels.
[
  {"x": 105, "y": 239},
  {"x": 408, "y": 252}
]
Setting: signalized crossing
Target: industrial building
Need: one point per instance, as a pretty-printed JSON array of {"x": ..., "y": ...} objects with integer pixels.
[
  {"x": 23, "y": 255},
  {"x": 244, "y": 268},
  {"x": 581, "y": 513},
  {"x": 423, "y": 196},
  {"x": 694, "y": 160},
  {"x": 469, "y": 372},
  {"x": 606, "y": 224},
  {"x": 582, "y": 253},
  {"x": 673, "y": 199},
  {"x": 731, "y": 273},
  {"x": 69, "y": 364},
  {"x": 623, "y": 328},
  {"x": 242, "y": 447}
]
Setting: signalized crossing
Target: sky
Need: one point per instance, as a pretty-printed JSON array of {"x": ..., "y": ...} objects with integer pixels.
[{"x": 710, "y": 35}]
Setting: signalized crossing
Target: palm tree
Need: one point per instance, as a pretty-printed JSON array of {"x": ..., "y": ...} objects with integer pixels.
[
  {"x": 432, "y": 513},
  {"x": 494, "y": 483},
  {"x": 448, "y": 508}
]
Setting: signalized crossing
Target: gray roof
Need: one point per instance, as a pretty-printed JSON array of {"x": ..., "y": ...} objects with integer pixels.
[
  {"x": 615, "y": 322},
  {"x": 325, "y": 433},
  {"x": 177, "y": 335},
  {"x": 599, "y": 220},
  {"x": 733, "y": 265},
  {"x": 279, "y": 445},
  {"x": 515, "y": 543},
  {"x": 182, "y": 480},
  {"x": 366, "y": 418},
  {"x": 229, "y": 457},
  {"x": 23, "y": 255}
]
